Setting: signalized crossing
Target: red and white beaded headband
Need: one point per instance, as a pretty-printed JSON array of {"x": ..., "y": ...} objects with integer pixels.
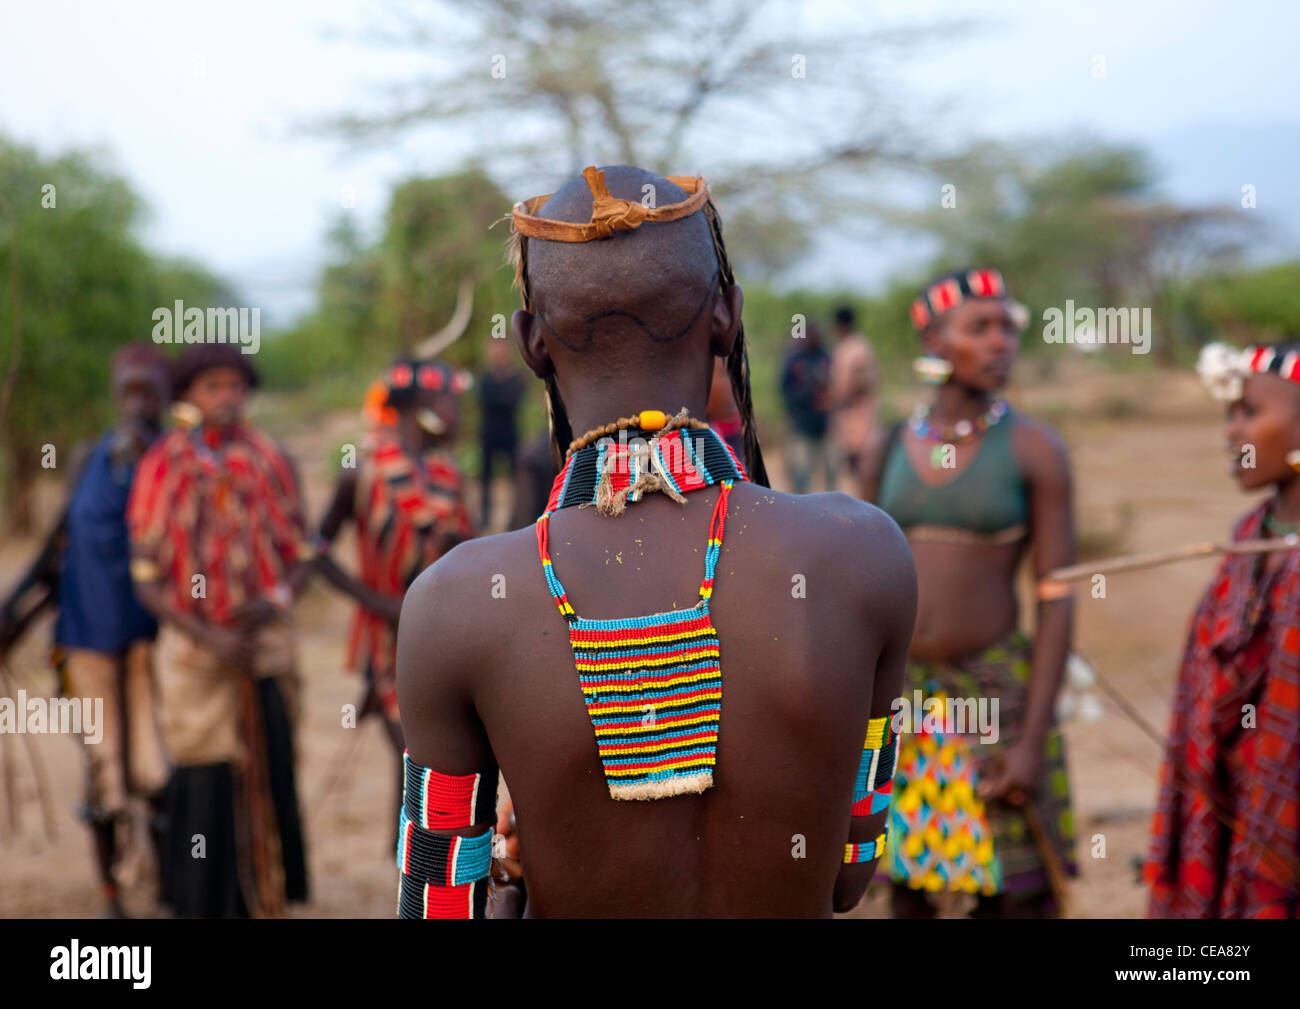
[
  {"x": 1222, "y": 368},
  {"x": 946, "y": 294},
  {"x": 434, "y": 377}
]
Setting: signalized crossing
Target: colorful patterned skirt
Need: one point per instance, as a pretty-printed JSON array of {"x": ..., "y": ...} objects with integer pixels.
[{"x": 941, "y": 835}]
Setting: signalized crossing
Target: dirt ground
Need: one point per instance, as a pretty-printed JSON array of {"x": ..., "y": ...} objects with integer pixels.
[{"x": 1150, "y": 474}]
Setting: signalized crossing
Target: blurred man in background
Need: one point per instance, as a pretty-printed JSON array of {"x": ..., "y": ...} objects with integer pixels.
[
  {"x": 218, "y": 549},
  {"x": 852, "y": 396},
  {"x": 501, "y": 387},
  {"x": 805, "y": 380},
  {"x": 406, "y": 497},
  {"x": 103, "y": 636}
]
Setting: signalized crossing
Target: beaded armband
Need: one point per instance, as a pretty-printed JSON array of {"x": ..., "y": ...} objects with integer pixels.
[
  {"x": 868, "y": 852},
  {"x": 443, "y": 876},
  {"x": 874, "y": 785},
  {"x": 875, "y": 782}
]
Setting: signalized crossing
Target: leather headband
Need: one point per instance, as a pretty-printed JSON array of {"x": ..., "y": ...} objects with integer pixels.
[{"x": 608, "y": 213}]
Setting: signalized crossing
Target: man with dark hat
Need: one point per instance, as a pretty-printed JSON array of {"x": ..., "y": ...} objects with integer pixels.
[
  {"x": 218, "y": 548},
  {"x": 103, "y": 636}
]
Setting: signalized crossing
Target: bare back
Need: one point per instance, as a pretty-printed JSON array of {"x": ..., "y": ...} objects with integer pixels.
[{"x": 813, "y": 602}]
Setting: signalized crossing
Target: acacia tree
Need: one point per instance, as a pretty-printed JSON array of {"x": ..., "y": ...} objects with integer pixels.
[
  {"x": 784, "y": 116},
  {"x": 1081, "y": 222},
  {"x": 437, "y": 238},
  {"x": 436, "y": 266}
]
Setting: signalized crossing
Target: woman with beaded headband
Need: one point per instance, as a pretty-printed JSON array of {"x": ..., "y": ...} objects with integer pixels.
[
  {"x": 702, "y": 757},
  {"x": 976, "y": 487},
  {"x": 1225, "y": 838},
  {"x": 404, "y": 492}
]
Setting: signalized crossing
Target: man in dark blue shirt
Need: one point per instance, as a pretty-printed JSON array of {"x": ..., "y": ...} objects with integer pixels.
[
  {"x": 501, "y": 387},
  {"x": 804, "y": 383},
  {"x": 103, "y": 636}
]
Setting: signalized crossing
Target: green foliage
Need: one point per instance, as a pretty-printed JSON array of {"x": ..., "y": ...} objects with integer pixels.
[
  {"x": 379, "y": 300},
  {"x": 1044, "y": 217},
  {"x": 1252, "y": 306},
  {"x": 85, "y": 285}
]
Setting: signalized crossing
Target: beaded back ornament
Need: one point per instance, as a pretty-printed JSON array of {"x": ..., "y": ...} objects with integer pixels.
[{"x": 652, "y": 684}]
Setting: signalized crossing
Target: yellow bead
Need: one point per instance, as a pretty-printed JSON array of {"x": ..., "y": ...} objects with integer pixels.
[{"x": 652, "y": 420}]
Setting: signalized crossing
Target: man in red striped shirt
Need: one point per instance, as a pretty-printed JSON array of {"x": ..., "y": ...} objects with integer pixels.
[
  {"x": 406, "y": 499},
  {"x": 218, "y": 547}
]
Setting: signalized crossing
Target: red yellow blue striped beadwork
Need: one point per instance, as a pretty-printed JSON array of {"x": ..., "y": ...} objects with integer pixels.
[
  {"x": 874, "y": 784},
  {"x": 869, "y": 852},
  {"x": 652, "y": 684}
]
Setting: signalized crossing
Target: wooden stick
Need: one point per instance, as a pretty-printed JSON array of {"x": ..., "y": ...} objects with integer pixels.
[
  {"x": 13, "y": 818},
  {"x": 38, "y": 767},
  {"x": 1051, "y": 861},
  {"x": 1078, "y": 572},
  {"x": 344, "y": 758},
  {"x": 13, "y": 806}
]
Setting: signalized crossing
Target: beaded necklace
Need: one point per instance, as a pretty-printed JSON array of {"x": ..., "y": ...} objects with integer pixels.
[
  {"x": 1276, "y": 528},
  {"x": 618, "y": 470},
  {"x": 962, "y": 431},
  {"x": 652, "y": 684}
]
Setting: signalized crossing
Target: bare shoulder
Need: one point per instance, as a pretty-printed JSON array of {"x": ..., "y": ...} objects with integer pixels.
[
  {"x": 873, "y": 461},
  {"x": 466, "y": 571},
  {"x": 847, "y": 537},
  {"x": 445, "y": 612},
  {"x": 1038, "y": 446}
]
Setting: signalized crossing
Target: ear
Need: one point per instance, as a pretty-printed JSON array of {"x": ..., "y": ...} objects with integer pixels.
[
  {"x": 532, "y": 348},
  {"x": 725, "y": 323},
  {"x": 931, "y": 341}
]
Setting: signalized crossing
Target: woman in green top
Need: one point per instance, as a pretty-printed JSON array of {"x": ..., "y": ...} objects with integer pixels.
[{"x": 980, "y": 801}]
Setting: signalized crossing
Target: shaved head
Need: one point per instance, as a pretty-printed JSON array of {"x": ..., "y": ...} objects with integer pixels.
[
  {"x": 652, "y": 284},
  {"x": 637, "y": 318}
]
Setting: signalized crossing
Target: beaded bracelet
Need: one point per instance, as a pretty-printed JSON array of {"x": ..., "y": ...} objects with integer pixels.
[
  {"x": 874, "y": 785},
  {"x": 439, "y": 801},
  {"x": 446, "y": 860},
  {"x": 869, "y": 852},
  {"x": 442, "y": 876}
]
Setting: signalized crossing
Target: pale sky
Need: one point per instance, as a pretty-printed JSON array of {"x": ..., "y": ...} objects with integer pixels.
[{"x": 193, "y": 103}]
